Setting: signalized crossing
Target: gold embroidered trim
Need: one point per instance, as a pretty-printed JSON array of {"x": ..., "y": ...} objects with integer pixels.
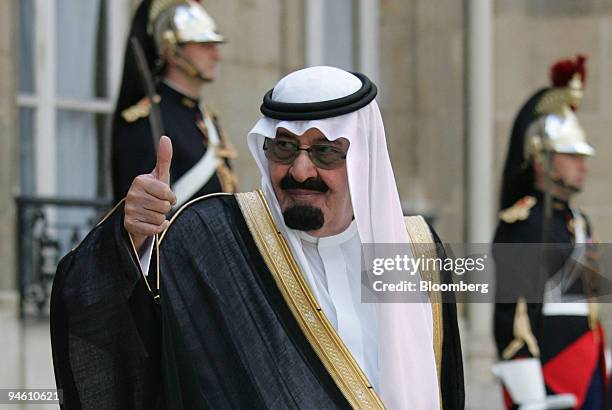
[
  {"x": 319, "y": 332},
  {"x": 423, "y": 245}
]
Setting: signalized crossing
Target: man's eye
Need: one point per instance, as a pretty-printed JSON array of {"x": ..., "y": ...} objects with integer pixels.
[
  {"x": 326, "y": 149},
  {"x": 288, "y": 145}
]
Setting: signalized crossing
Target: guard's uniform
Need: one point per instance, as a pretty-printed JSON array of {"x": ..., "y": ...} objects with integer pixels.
[
  {"x": 545, "y": 282},
  {"x": 569, "y": 335},
  {"x": 193, "y": 131},
  {"x": 201, "y": 153}
]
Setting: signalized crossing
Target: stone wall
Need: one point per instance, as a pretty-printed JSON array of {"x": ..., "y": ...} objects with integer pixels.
[{"x": 421, "y": 100}]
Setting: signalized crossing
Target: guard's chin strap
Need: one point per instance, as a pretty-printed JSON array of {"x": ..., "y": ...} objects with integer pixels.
[
  {"x": 564, "y": 185},
  {"x": 187, "y": 65},
  {"x": 558, "y": 181}
]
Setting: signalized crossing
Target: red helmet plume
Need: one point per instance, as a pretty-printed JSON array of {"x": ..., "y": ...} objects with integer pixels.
[{"x": 562, "y": 71}]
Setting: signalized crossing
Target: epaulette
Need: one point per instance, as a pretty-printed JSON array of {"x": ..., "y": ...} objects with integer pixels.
[
  {"x": 519, "y": 211},
  {"x": 139, "y": 110}
]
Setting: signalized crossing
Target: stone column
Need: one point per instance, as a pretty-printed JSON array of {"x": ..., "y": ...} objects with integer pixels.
[
  {"x": 9, "y": 154},
  {"x": 479, "y": 164}
]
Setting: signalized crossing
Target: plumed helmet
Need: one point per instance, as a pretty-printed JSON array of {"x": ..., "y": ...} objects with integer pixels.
[
  {"x": 546, "y": 122},
  {"x": 557, "y": 129}
]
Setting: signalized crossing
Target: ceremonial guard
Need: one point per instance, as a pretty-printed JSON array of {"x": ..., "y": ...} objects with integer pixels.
[
  {"x": 551, "y": 317},
  {"x": 171, "y": 54}
]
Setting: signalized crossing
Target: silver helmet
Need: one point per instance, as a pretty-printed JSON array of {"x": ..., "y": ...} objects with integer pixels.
[
  {"x": 176, "y": 22},
  {"x": 558, "y": 129},
  {"x": 173, "y": 23}
]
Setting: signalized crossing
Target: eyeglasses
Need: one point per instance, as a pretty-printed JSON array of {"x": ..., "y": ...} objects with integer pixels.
[{"x": 324, "y": 156}]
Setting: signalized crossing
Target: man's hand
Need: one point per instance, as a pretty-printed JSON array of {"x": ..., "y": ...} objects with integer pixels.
[{"x": 150, "y": 198}]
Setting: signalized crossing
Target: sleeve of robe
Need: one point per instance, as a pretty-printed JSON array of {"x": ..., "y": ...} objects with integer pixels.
[{"x": 105, "y": 325}]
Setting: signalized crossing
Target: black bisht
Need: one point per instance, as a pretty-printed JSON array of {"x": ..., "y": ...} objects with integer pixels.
[
  {"x": 105, "y": 332},
  {"x": 229, "y": 339}
]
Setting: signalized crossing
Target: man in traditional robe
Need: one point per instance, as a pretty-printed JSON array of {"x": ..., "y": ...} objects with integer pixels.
[{"x": 253, "y": 300}]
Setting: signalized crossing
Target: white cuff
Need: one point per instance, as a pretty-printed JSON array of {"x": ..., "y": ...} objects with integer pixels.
[{"x": 145, "y": 258}]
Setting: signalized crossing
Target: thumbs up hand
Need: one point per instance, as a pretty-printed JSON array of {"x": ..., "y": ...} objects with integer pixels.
[{"x": 150, "y": 198}]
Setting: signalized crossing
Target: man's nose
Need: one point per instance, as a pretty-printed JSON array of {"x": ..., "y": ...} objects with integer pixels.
[
  {"x": 585, "y": 165},
  {"x": 303, "y": 168},
  {"x": 216, "y": 52}
]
